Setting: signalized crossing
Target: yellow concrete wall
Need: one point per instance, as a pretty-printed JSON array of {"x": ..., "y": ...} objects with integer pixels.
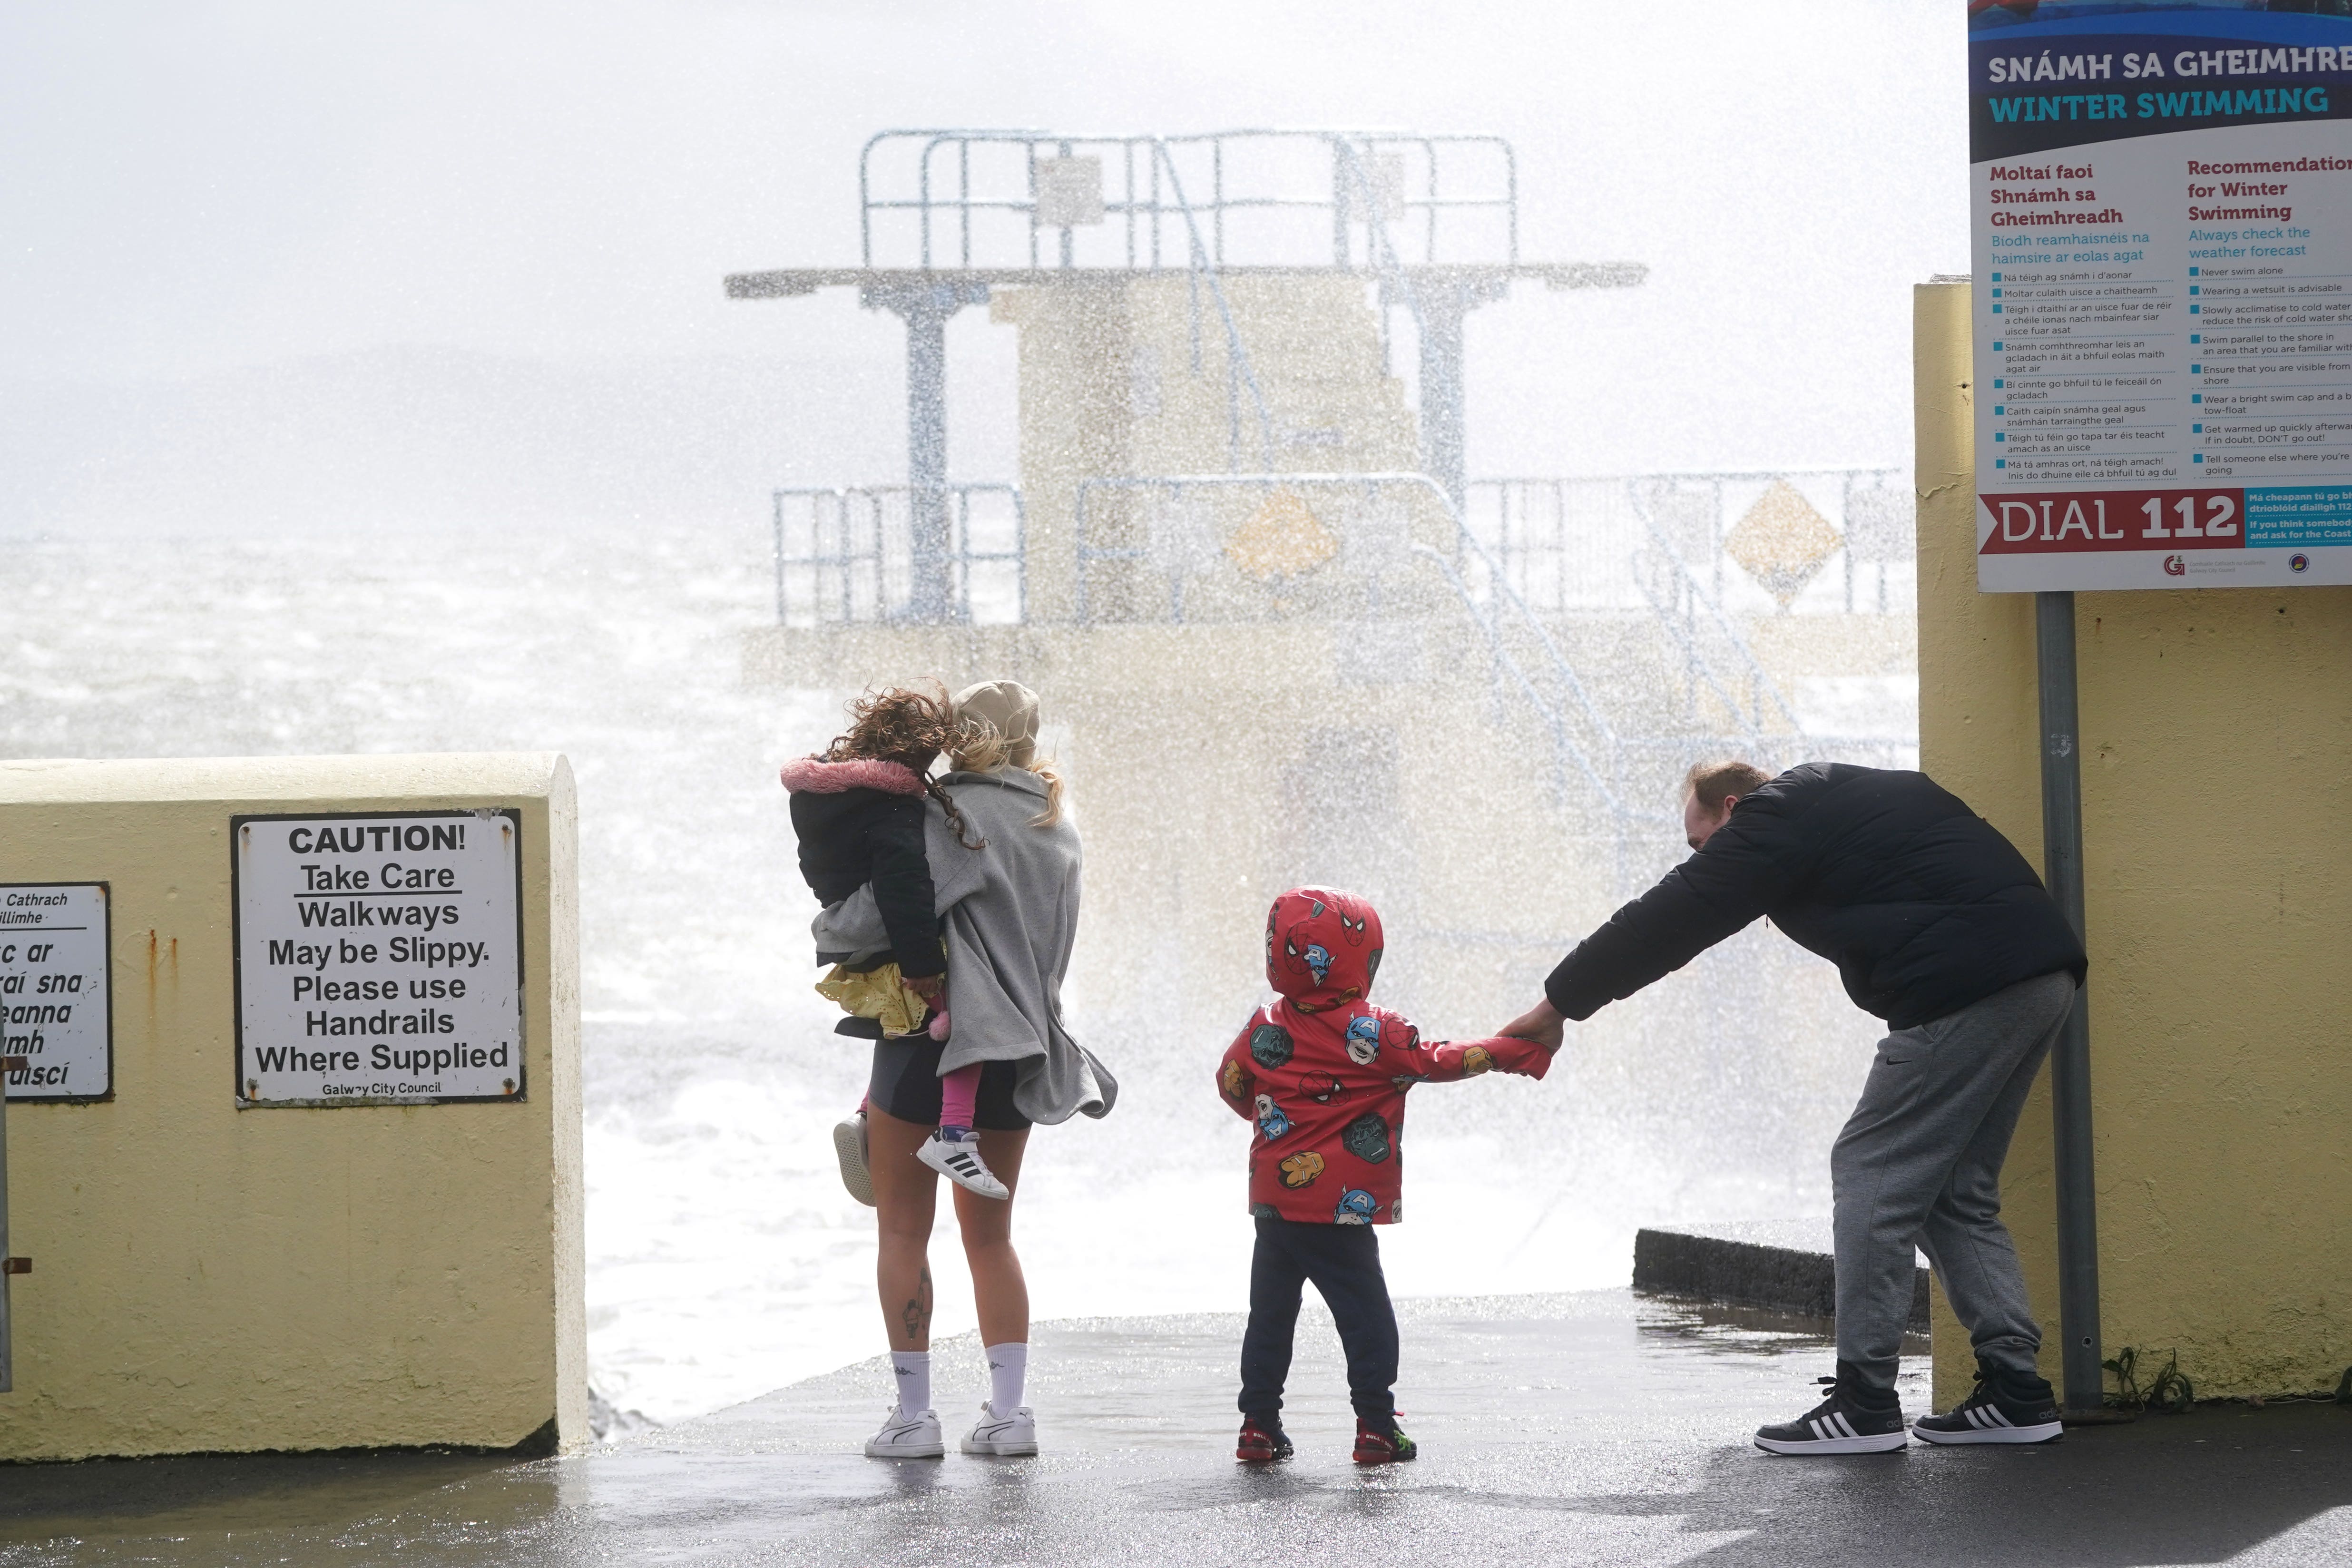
[
  {"x": 2217, "y": 745},
  {"x": 211, "y": 1279}
]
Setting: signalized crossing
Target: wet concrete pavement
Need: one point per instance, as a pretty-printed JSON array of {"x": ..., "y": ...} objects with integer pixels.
[{"x": 1594, "y": 1428}]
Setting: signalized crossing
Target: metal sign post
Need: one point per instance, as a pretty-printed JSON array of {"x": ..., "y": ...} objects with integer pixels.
[{"x": 2070, "y": 1058}]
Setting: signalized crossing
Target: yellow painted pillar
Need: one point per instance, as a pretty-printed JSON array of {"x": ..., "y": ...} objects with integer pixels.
[{"x": 2217, "y": 748}]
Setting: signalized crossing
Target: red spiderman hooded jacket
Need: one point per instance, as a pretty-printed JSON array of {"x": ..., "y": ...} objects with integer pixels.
[{"x": 1323, "y": 1073}]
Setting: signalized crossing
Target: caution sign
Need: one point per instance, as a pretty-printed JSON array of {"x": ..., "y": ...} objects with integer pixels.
[
  {"x": 379, "y": 959},
  {"x": 56, "y": 985}
]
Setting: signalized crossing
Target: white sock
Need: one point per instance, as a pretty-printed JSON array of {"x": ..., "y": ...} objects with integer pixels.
[
  {"x": 1008, "y": 1368},
  {"x": 914, "y": 1372}
]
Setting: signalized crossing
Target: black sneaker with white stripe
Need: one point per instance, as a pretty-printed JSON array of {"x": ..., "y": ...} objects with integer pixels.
[
  {"x": 2004, "y": 1408},
  {"x": 1842, "y": 1424}
]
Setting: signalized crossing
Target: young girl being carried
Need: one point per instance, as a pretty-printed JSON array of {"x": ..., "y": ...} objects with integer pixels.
[{"x": 857, "y": 810}]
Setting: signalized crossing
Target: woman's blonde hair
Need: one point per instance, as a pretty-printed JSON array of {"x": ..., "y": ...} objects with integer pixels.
[{"x": 979, "y": 747}]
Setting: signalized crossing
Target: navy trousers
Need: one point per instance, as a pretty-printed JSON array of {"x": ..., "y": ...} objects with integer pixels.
[{"x": 1344, "y": 1262}]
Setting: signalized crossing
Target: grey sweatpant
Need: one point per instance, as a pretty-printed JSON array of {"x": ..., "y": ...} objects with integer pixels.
[{"x": 1919, "y": 1163}]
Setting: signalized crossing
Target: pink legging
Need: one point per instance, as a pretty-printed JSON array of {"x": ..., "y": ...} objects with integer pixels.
[
  {"x": 959, "y": 1093},
  {"x": 958, "y": 1090}
]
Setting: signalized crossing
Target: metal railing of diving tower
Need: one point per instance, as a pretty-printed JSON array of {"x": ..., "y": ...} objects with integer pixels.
[
  {"x": 846, "y": 554},
  {"x": 1695, "y": 552},
  {"x": 958, "y": 217},
  {"x": 1135, "y": 193},
  {"x": 1563, "y": 535},
  {"x": 1206, "y": 205},
  {"x": 1534, "y": 565}
]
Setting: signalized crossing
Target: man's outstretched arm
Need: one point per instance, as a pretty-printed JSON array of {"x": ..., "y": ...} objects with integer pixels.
[{"x": 1719, "y": 889}]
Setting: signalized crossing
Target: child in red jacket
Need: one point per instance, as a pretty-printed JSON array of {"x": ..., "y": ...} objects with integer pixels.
[{"x": 1324, "y": 1073}]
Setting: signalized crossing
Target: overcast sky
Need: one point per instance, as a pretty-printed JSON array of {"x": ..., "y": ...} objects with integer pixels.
[{"x": 194, "y": 189}]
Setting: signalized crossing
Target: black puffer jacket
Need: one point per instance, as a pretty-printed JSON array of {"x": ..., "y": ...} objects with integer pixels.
[
  {"x": 862, "y": 820},
  {"x": 1922, "y": 904}
]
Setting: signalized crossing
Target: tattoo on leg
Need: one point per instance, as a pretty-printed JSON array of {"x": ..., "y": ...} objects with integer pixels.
[{"x": 918, "y": 1309}]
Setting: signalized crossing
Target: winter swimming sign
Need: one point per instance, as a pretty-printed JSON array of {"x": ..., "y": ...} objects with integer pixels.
[
  {"x": 379, "y": 958},
  {"x": 2162, "y": 213}
]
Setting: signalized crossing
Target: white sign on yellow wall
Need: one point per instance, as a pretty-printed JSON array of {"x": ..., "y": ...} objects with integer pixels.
[
  {"x": 55, "y": 990},
  {"x": 379, "y": 959}
]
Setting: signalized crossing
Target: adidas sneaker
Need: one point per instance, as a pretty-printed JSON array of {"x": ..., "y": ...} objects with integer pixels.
[
  {"x": 2004, "y": 1409},
  {"x": 1838, "y": 1424},
  {"x": 958, "y": 1159}
]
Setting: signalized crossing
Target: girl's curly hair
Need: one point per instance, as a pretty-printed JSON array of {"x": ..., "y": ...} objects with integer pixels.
[{"x": 902, "y": 724}]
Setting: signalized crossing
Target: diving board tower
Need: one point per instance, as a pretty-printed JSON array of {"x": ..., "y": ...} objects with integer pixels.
[
  {"x": 1235, "y": 533},
  {"x": 1215, "y": 303}
]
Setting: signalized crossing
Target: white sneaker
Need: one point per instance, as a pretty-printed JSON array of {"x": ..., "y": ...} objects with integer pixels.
[
  {"x": 1004, "y": 1435},
  {"x": 905, "y": 1436},
  {"x": 849, "y": 1148},
  {"x": 960, "y": 1162}
]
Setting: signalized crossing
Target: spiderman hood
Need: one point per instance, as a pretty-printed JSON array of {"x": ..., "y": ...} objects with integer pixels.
[{"x": 1322, "y": 948}]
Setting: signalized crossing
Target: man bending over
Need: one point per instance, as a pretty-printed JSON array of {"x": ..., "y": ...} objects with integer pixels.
[{"x": 1939, "y": 927}]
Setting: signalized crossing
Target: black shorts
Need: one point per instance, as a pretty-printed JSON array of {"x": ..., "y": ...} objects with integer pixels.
[{"x": 905, "y": 1084}]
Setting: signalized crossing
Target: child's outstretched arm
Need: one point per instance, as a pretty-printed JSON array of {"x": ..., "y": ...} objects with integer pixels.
[{"x": 1447, "y": 1061}]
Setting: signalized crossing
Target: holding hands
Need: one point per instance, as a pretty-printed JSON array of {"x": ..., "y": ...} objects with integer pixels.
[{"x": 1542, "y": 1022}]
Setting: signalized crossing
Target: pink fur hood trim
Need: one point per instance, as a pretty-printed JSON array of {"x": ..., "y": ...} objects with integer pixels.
[{"x": 814, "y": 775}]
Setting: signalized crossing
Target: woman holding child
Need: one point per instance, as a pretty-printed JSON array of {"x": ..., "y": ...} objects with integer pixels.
[{"x": 975, "y": 874}]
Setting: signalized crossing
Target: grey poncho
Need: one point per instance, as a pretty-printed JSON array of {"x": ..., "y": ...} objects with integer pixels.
[{"x": 1012, "y": 911}]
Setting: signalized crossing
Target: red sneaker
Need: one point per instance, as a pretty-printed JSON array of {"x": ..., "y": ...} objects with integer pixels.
[
  {"x": 1260, "y": 1445},
  {"x": 1374, "y": 1446}
]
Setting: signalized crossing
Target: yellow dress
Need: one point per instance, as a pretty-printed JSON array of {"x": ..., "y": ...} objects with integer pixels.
[{"x": 878, "y": 994}]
